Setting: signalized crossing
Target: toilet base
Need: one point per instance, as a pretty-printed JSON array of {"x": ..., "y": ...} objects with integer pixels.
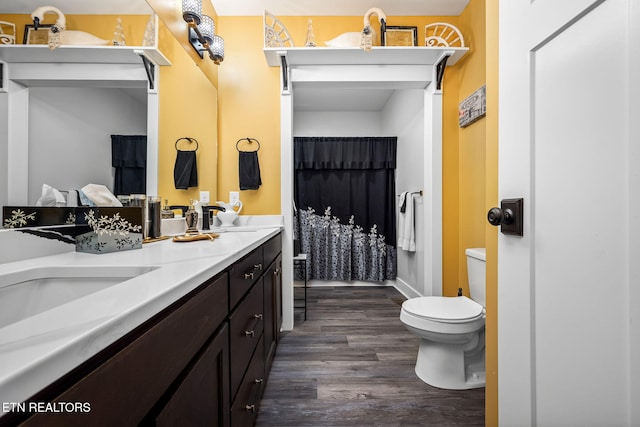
[{"x": 451, "y": 366}]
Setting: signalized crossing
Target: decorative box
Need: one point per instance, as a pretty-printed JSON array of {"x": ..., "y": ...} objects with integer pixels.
[
  {"x": 36, "y": 216},
  {"x": 103, "y": 229}
]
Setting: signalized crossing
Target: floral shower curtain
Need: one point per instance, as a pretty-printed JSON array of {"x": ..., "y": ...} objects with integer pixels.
[{"x": 345, "y": 198}]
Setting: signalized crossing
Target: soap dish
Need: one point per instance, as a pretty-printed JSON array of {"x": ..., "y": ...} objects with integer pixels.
[{"x": 194, "y": 237}]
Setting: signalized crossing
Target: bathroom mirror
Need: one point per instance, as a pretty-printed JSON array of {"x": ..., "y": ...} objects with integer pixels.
[{"x": 59, "y": 130}]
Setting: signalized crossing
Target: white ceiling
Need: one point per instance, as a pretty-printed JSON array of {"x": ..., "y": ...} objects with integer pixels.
[
  {"x": 252, "y": 7},
  {"x": 84, "y": 7},
  {"x": 338, "y": 7}
]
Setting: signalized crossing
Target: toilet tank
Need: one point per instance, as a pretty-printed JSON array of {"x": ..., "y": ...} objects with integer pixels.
[{"x": 476, "y": 272}]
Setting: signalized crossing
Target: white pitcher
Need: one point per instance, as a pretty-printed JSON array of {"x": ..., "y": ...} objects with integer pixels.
[{"x": 230, "y": 213}]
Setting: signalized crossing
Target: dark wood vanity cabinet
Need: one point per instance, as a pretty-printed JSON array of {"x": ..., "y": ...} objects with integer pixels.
[
  {"x": 253, "y": 323},
  {"x": 202, "y": 361}
]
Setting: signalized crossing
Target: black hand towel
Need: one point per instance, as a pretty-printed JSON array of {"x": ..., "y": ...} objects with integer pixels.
[
  {"x": 129, "y": 158},
  {"x": 249, "y": 170},
  {"x": 185, "y": 171}
]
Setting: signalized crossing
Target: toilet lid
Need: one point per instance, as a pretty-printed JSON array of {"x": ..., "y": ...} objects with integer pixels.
[{"x": 444, "y": 308}]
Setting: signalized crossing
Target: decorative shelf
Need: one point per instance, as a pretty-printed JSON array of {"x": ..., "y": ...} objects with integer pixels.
[
  {"x": 379, "y": 55},
  {"x": 81, "y": 54}
]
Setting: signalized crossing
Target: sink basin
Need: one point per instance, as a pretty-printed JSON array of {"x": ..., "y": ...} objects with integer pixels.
[{"x": 32, "y": 291}]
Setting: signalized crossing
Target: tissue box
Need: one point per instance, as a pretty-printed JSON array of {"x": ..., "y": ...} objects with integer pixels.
[{"x": 103, "y": 229}]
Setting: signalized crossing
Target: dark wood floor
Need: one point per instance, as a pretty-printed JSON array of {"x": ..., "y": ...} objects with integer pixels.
[{"x": 352, "y": 364}]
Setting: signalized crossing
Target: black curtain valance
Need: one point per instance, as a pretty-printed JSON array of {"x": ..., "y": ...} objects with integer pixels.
[{"x": 345, "y": 152}]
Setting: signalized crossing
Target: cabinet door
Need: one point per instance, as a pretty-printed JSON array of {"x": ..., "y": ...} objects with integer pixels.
[
  {"x": 202, "y": 398},
  {"x": 272, "y": 309},
  {"x": 278, "y": 297}
]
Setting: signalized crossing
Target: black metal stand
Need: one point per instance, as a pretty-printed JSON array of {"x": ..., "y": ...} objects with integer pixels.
[{"x": 302, "y": 259}]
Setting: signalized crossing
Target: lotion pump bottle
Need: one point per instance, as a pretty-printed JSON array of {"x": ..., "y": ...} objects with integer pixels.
[{"x": 191, "y": 217}]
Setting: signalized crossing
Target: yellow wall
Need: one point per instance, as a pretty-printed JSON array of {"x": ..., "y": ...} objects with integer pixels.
[
  {"x": 249, "y": 107},
  {"x": 188, "y": 108},
  {"x": 464, "y": 153},
  {"x": 451, "y": 182}
]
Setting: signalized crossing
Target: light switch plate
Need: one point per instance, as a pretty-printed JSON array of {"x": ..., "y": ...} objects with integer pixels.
[
  {"x": 204, "y": 198},
  {"x": 234, "y": 196}
]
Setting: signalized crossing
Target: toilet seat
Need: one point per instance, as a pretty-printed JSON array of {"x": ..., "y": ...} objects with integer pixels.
[{"x": 444, "y": 309}]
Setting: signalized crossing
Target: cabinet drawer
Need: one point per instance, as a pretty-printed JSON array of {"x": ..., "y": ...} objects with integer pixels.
[
  {"x": 123, "y": 389},
  {"x": 243, "y": 274},
  {"x": 271, "y": 249},
  {"x": 246, "y": 325},
  {"x": 245, "y": 406}
]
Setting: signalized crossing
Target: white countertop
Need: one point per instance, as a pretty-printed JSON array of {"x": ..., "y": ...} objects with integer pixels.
[{"x": 38, "y": 350}]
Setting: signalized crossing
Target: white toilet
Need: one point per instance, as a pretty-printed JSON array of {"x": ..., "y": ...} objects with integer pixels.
[{"x": 451, "y": 331}]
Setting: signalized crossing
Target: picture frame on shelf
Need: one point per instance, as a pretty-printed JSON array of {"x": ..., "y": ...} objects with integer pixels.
[
  {"x": 395, "y": 35},
  {"x": 33, "y": 36}
]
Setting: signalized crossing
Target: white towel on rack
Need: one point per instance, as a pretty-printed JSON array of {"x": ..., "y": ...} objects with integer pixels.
[{"x": 406, "y": 228}]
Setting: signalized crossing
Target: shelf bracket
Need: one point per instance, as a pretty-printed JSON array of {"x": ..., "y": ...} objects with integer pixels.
[
  {"x": 149, "y": 67},
  {"x": 285, "y": 74},
  {"x": 4, "y": 76},
  {"x": 440, "y": 66}
]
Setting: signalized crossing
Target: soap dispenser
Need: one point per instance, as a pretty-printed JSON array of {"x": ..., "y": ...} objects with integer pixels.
[
  {"x": 191, "y": 217},
  {"x": 167, "y": 212}
]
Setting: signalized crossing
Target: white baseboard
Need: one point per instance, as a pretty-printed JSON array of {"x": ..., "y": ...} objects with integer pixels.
[{"x": 400, "y": 285}]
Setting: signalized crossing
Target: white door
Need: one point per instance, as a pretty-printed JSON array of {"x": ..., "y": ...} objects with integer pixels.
[{"x": 569, "y": 142}]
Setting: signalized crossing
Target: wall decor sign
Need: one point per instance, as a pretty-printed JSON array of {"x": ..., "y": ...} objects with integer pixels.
[
  {"x": 473, "y": 107},
  {"x": 400, "y": 36}
]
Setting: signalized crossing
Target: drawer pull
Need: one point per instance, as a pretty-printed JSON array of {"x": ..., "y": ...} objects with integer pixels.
[
  {"x": 250, "y": 408},
  {"x": 257, "y": 266},
  {"x": 258, "y": 381},
  {"x": 248, "y": 275},
  {"x": 251, "y": 333}
]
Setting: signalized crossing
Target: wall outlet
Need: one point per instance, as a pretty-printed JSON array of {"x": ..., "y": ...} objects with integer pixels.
[
  {"x": 234, "y": 196},
  {"x": 204, "y": 198}
]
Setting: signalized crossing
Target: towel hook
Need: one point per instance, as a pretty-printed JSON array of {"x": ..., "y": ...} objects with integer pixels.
[
  {"x": 190, "y": 141},
  {"x": 249, "y": 140}
]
